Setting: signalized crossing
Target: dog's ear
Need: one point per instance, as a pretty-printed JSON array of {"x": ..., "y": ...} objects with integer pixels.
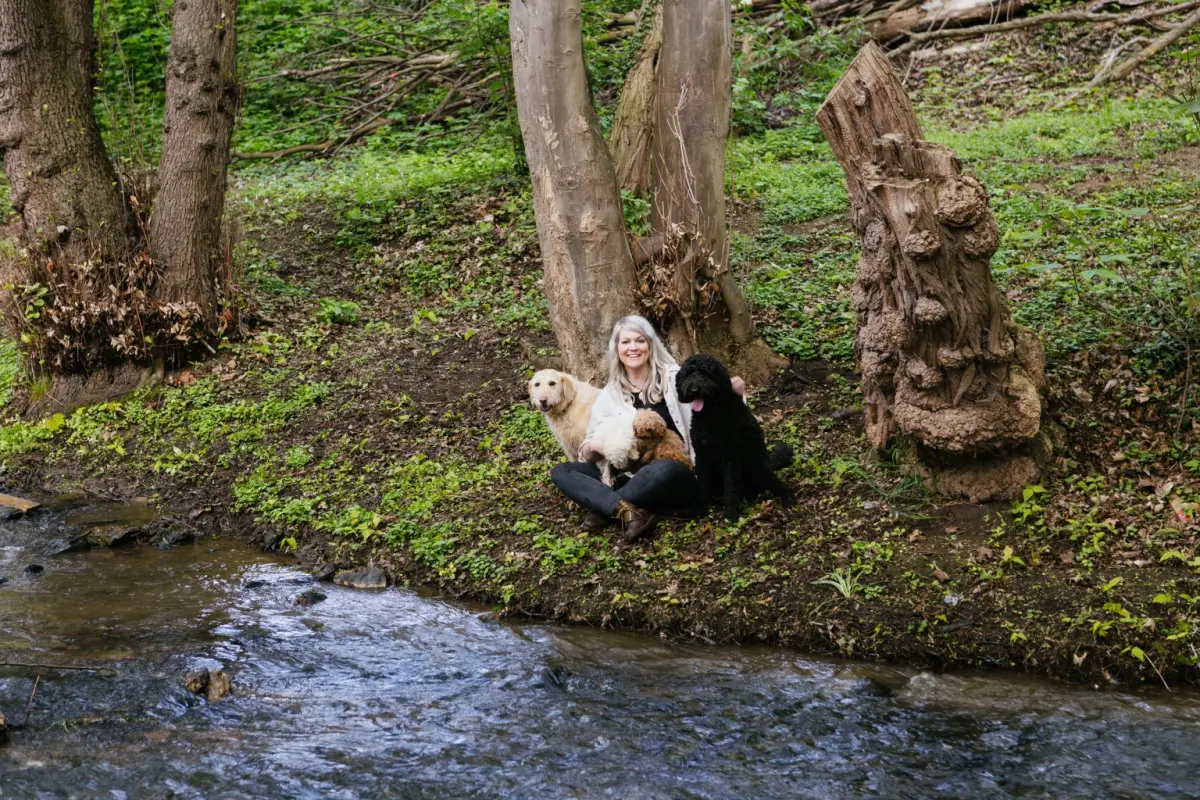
[{"x": 568, "y": 389}]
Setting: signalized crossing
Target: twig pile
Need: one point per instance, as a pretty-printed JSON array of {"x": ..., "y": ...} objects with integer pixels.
[{"x": 384, "y": 57}]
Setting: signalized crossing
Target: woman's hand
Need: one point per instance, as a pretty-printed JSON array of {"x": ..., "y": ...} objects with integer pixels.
[
  {"x": 739, "y": 385},
  {"x": 589, "y": 452}
]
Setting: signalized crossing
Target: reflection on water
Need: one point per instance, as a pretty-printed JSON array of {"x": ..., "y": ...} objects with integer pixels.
[{"x": 388, "y": 694}]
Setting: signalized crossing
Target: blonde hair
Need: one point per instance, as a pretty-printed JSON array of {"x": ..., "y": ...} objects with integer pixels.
[{"x": 659, "y": 358}]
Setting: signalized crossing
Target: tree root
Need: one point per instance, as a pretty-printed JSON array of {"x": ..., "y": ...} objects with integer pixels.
[{"x": 72, "y": 391}]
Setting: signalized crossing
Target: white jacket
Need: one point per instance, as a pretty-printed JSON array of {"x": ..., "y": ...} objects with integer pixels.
[{"x": 611, "y": 403}]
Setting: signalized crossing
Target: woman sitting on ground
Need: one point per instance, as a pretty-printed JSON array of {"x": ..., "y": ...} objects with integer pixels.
[{"x": 641, "y": 374}]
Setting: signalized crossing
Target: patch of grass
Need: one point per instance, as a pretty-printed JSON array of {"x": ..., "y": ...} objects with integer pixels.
[{"x": 363, "y": 189}]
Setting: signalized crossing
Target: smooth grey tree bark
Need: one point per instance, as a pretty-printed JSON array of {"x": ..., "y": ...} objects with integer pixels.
[
  {"x": 589, "y": 272},
  {"x": 695, "y": 77}
]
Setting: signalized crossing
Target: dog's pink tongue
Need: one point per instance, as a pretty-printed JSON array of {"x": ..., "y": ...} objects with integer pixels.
[{"x": 697, "y": 405}]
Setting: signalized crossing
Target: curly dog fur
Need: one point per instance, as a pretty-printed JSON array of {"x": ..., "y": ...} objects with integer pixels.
[
  {"x": 656, "y": 441},
  {"x": 614, "y": 438},
  {"x": 731, "y": 456}
]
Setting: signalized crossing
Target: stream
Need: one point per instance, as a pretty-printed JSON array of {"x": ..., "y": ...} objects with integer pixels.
[{"x": 395, "y": 694}]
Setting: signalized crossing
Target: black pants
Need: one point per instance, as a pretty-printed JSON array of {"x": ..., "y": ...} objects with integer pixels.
[{"x": 659, "y": 486}]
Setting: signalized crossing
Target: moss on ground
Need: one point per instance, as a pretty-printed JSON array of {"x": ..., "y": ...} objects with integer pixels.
[{"x": 377, "y": 415}]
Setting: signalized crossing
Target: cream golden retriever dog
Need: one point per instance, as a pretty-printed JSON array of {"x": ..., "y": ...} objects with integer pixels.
[{"x": 566, "y": 403}]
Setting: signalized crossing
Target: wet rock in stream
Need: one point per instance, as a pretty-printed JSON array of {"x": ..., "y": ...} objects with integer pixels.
[
  {"x": 325, "y": 572},
  {"x": 555, "y": 675},
  {"x": 270, "y": 541},
  {"x": 60, "y": 547},
  {"x": 214, "y": 684},
  {"x": 168, "y": 533},
  {"x": 309, "y": 598},
  {"x": 3, "y": 730},
  {"x": 34, "y": 569},
  {"x": 112, "y": 535},
  {"x": 369, "y": 578}
]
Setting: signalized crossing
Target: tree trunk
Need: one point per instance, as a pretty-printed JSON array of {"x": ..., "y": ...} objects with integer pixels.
[
  {"x": 590, "y": 281},
  {"x": 941, "y": 359},
  {"x": 706, "y": 308},
  {"x": 63, "y": 184},
  {"x": 633, "y": 128},
  {"x": 201, "y": 103}
]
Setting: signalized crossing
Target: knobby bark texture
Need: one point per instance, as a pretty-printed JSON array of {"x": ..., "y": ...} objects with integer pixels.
[
  {"x": 633, "y": 128},
  {"x": 63, "y": 184},
  {"x": 941, "y": 359},
  {"x": 703, "y": 307},
  {"x": 201, "y": 104},
  {"x": 589, "y": 274}
]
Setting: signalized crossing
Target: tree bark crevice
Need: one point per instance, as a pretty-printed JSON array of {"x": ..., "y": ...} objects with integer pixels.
[{"x": 633, "y": 131}]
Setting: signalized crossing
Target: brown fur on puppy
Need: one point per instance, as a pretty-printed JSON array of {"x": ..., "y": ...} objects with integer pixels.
[
  {"x": 566, "y": 403},
  {"x": 655, "y": 440}
]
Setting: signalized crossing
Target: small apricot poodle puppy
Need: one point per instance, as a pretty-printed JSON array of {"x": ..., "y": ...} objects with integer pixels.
[{"x": 656, "y": 441}]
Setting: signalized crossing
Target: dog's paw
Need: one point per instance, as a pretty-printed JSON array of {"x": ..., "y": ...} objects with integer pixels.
[
  {"x": 787, "y": 499},
  {"x": 732, "y": 514}
]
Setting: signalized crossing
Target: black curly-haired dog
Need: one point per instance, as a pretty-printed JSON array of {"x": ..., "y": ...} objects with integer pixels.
[{"x": 732, "y": 461}]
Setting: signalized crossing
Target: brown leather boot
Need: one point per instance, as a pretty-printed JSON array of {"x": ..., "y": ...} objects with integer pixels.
[
  {"x": 638, "y": 522},
  {"x": 595, "y": 522}
]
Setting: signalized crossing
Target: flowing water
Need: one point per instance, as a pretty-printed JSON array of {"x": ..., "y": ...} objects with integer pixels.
[{"x": 392, "y": 694}]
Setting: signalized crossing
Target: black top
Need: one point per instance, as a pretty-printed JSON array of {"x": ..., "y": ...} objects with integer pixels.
[{"x": 659, "y": 408}]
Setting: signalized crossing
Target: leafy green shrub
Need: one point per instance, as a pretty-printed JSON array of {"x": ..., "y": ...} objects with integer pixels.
[{"x": 335, "y": 311}]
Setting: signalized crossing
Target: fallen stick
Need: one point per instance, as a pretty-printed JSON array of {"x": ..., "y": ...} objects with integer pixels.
[
  {"x": 1127, "y": 66},
  {"x": 1155, "y": 47},
  {"x": 1132, "y": 18},
  {"x": 29, "y": 705}
]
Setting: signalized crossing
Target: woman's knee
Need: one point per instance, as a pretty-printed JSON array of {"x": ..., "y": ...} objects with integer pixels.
[
  {"x": 667, "y": 469},
  {"x": 561, "y": 472},
  {"x": 564, "y": 472}
]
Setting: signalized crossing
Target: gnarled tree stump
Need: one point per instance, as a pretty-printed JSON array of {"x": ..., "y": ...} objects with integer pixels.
[{"x": 941, "y": 359}]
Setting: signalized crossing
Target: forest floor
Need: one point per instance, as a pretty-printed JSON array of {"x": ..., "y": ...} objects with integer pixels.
[{"x": 377, "y": 412}]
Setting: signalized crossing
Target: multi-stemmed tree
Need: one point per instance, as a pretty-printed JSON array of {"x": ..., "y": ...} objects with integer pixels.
[
  {"x": 95, "y": 287},
  {"x": 594, "y": 274}
]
